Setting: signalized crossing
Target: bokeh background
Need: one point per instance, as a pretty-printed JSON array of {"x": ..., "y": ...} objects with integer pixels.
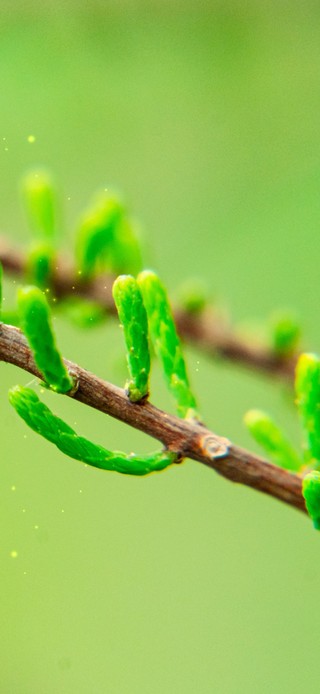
[{"x": 206, "y": 115}]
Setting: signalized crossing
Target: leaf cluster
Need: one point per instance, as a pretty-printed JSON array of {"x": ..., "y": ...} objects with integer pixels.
[
  {"x": 278, "y": 447},
  {"x": 144, "y": 312},
  {"x": 107, "y": 240}
]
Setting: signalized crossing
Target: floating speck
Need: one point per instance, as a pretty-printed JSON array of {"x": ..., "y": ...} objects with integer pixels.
[
  {"x": 13, "y": 554},
  {"x": 36, "y": 527},
  {"x": 31, "y": 139},
  {"x": 62, "y": 510},
  {"x": 13, "y": 488}
]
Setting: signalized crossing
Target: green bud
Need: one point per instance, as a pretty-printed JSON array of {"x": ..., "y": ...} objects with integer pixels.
[
  {"x": 133, "y": 318},
  {"x": 40, "y": 200},
  {"x": 35, "y": 321},
  {"x": 40, "y": 263},
  {"x": 272, "y": 440},
  {"x": 307, "y": 386},
  {"x": 40, "y": 418},
  {"x": 167, "y": 343},
  {"x": 285, "y": 333},
  {"x": 96, "y": 232},
  {"x": 311, "y": 494}
]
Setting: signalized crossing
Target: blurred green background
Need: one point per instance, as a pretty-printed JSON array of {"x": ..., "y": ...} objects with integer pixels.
[{"x": 206, "y": 115}]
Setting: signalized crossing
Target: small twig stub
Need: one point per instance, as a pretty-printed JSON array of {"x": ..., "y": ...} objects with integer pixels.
[{"x": 214, "y": 447}]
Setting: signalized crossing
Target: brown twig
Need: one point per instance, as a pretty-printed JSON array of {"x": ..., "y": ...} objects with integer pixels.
[
  {"x": 190, "y": 439},
  {"x": 203, "y": 330},
  {"x": 215, "y": 339}
]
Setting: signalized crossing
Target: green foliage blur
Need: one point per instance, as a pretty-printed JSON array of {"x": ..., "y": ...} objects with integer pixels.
[{"x": 206, "y": 116}]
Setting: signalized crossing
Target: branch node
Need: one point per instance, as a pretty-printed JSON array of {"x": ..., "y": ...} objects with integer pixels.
[
  {"x": 214, "y": 447},
  {"x": 76, "y": 382}
]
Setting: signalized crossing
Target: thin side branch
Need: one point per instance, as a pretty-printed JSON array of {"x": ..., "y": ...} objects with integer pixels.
[
  {"x": 203, "y": 330},
  {"x": 191, "y": 440}
]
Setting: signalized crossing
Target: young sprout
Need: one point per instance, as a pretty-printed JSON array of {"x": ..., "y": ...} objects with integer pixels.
[
  {"x": 311, "y": 494},
  {"x": 40, "y": 262},
  {"x": 97, "y": 232},
  {"x": 40, "y": 200},
  {"x": 166, "y": 342},
  {"x": 40, "y": 418},
  {"x": 133, "y": 318},
  {"x": 35, "y": 322},
  {"x": 307, "y": 386},
  {"x": 285, "y": 333},
  {"x": 270, "y": 437}
]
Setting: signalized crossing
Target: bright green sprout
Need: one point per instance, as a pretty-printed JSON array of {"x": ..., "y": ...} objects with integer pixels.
[
  {"x": 311, "y": 494},
  {"x": 44, "y": 422},
  {"x": 272, "y": 440},
  {"x": 307, "y": 386},
  {"x": 40, "y": 264},
  {"x": 133, "y": 318},
  {"x": 40, "y": 199},
  {"x": 285, "y": 333},
  {"x": 36, "y": 324},
  {"x": 263, "y": 429},
  {"x": 166, "y": 342},
  {"x": 97, "y": 232}
]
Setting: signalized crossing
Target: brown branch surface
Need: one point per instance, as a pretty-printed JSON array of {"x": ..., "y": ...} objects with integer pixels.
[
  {"x": 202, "y": 330},
  {"x": 191, "y": 440}
]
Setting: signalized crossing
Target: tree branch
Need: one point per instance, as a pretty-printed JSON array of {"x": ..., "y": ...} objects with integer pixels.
[
  {"x": 203, "y": 330},
  {"x": 191, "y": 440}
]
